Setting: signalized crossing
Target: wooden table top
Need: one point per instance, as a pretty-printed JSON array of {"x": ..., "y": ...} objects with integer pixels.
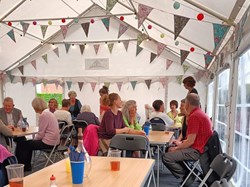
[
  {"x": 160, "y": 137},
  {"x": 133, "y": 172},
  {"x": 19, "y": 133}
]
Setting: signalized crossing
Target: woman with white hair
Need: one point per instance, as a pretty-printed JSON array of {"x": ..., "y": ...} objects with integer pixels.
[
  {"x": 75, "y": 104},
  {"x": 88, "y": 116}
]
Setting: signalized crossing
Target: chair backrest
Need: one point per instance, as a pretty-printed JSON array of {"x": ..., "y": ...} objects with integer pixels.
[
  {"x": 221, "y": 183},
  {"x": 80, "y": 124},
  {"x": 157, "y": 124},
  {"x": 129, "y": 142}
]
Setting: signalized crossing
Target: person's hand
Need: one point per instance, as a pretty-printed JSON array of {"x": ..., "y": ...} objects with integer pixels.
[
  {"x": 171, "y": 149},
  {"x": 11, "y": 127},
  {"x": 177, "y": 142}
]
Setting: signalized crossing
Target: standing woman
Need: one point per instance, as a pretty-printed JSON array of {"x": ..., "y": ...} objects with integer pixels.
[
  {"x": 75, "y": 104},
  {"x": 189, "y": 84}
]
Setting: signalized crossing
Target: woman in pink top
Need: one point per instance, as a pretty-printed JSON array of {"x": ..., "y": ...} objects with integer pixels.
[{"x": 46, "y": 138}]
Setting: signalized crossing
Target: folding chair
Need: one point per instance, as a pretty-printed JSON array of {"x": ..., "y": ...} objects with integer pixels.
[
  {"x": 128, "y": 142},
  {"x": 221, "y": 183},
  {"x": 157, "y": 124}
]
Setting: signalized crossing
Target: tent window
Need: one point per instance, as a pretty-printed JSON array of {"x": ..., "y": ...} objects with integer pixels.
[
  {"x": 242, "y": 124},
  {"x": 221, "y": 116},
  {"x": 210, "y": 100}
]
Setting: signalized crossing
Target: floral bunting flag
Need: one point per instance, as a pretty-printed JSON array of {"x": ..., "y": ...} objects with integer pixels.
[
  {"x": 106, "y": 22},
  {"x": 110, "y": 46},
  {"x": 33, "y": 81},
  {"x": 168, "y": 63},
  {"x": 96, "y": 47},
  {"x": 164, "y": 81},
  {"x": 179, "y": 79},
  {"x": 45, "y": 58},
  {"x": 110, "y": 5},
  {"x": 152, "y": 57},
  {"x": 133, "y": 83},
  {"x": 11, "y": 77},
  {"x": 93, "y": 85},
  {"x": 219, "y": 33},
  {"x": 208, "y": 59},
  {"x": 11, "y": 35},
  {"x": 80, "y": 84},
  {"x": 179, "y": 23},
  {"x": 69, "y": 83},
  {"x": 56, "y": 51},
  {"x": 85, "y": 27},
  {"x": 44, "y": 29},
  {"x": 107, "y": 84},
  {"x": 119, "y": 85},
  {"x": 143, "y": 12},
  {"x": 23, "y": 80},
  {"x": 122, "y": 29},
  {"x": 126, "y": 43},
  {"x": 140, "y": 38},
  {"x": 25, "y": 27},
  {"x": 82, "y": 47},
  {"x": 64, "y": 29},
  {"x": 57, "y": 84},
  {"x": 184, "y": 55},
  {"x": 185, "y": 68},
  {"x": 21, "y": 69},
  {"x": 138, "y": 49},
  {"x": 67, "y": 46},
  {"x": 148, "y": 83},
  {"x": 160, "y": 48},
  {"x": 33, "y": 62}
]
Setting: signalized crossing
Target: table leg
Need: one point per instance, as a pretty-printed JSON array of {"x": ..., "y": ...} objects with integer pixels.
[{"x": 158, "y": 165}]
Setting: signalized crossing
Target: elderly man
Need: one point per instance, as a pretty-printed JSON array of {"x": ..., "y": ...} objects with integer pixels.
[{"x": 199, "y": 130}]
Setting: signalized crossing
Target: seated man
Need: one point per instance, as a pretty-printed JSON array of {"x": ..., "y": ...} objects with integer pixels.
[
  {"x": 63, "y": 114},
  {"x": 199, "y": 130},
  {"x": 158, "y": 106}
]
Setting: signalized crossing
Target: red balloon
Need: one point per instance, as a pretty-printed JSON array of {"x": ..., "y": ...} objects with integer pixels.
[
  {"x": 63, "y": 20},
  {"x": 192, "y": 49},
  {"x": 34, "y": 23},
  {"x": 121, "y": 18},
  {"x": 9, "y": 23},
  {"x": 200, "y": 16},
  {"x": 92, "y": 21},
  {"x": 149, "y": 26}
]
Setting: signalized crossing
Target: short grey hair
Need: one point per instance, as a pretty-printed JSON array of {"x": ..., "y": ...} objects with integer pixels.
[
  {"x": 193, "y": 99},
  {"x": 85, "y": 108},
  {"x": 8, "y": 99},
  {"x": 126, "y": 107},
  {"x": 39, "y": 104},
  {"x": 72, "y": 93}
]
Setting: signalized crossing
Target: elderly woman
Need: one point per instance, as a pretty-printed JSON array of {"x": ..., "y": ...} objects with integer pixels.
[
  {"x": 173, "y": 114},
  {"x": 75, "y": 104},
  {"x": 47, "y": 137},
  {"x": 88, "y": 116},
  {"x": 53, "y": 105},
  {"x": 129, "y": 115}
]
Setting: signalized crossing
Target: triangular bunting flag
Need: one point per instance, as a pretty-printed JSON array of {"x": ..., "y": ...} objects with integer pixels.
[
  {"x": 164, "y": 81},
  {"x": 45, "y": 58},
  {"x": 23, "y": 80},
  {"x": 168, "y": 63},
  {"x": 110, "y": 46},
  {"x": 126, "y": 43},
  {"x": 56, "y": 50},
  {"x": 93, "y": 84},
  {"x": 96, "y": 47},
  {"x": 82, "y": 47},
  {"x": 184, "y": 55},
  {"x": 64, "y": 29},
  {"x": 44, "y": 81},
  {"x": 219, "y": 33},
  {"x": 12, "y": 35},
  {"x": 106, "y": 22},
  {"x": 179, "y": 23},
  {"x": 143, "y": 12},
  {"x": 67, "y": 46},
  {"x": 33, "y": 81},
  {"x": 107, "y": 84},
  {"x": 138, "y": 49},
  {"x": 110, "y": 4},
  {"x": 122, "y": 29},
  {"x": 11, "y": 77},
  {"x": 160, "y": 48},
  {"x": 85, "y": 27},
  {"x": 33, "y": 62},
  {"x": 44, "y": 29},
  {"x": 133, "y": 83},
  {"x": 119, "y": 85},
  {"x": 57, "y": 84},
  {"x": 21, "y": 69},
  {"x": 152, "y": 57},
  {"x": 80, "y": 84},
  {"x": 208, "y": 59},
  {"x": 179, "y": 79},
  {"x": 141, "y": 38},
  {"x": 185, "y": 68},
  {"x": 69, "y": 83},
  {"x": 25, "y": 27},
  {"x": 148, "y": 83}
]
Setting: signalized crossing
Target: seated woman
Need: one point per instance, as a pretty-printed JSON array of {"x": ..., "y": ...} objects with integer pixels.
[
  {"x": 53, "y": 105},
  {"x": 88, "y": 116},
  {"x": 104, "y": 105},
  {"x": 48, "y": 134},
  {"x": 173, "y": 114},
  {"x": 5, "y": 131},
  {"x": 112, "y": 123}
]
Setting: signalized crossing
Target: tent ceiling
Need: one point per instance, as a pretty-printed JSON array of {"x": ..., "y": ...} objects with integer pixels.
[{"x": 197, "y": 34}]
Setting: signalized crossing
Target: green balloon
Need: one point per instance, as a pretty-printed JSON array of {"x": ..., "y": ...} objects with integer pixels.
[{"x": 176, "y": 5}]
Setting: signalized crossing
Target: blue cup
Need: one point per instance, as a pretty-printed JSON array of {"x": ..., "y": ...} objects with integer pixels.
[
  {"x": 146, "y": 129},
  {"x": 77, "y": 170}
]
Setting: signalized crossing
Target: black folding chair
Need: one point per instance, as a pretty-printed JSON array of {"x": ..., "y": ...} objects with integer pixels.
[{"x": 157, "y": 124}]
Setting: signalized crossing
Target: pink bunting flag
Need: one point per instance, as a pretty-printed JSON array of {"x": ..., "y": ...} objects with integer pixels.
[
  {"x": 80, "y": 84},
  {"x": 21, "y": 69},
  {"x": 160, "y": 48},
  {"x": 164, "y": 81},
  {"x": 168, "y": 63},
  {"x": 64, "y": 29},
  {"x": 56, "y": 51},
  {"x": 23, "y": 80},
  {"x": 96, "y": 47},
  {"x": 126, "y": 43},
  {"x": 33, "y": 62},
  {"x": 85, "y": 27},
  {"x": 25, "y": 27},
  {"x": 93, "y": 85},
  {"x": 122, "y": 29},
  {"x": 119, "y": 85},
  {"x": 11, "y": 35},
  {"x": 143, "y": 12}
]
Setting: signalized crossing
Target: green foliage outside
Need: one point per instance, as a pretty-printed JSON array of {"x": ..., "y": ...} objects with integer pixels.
[{"x": 48, "y": 96}]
